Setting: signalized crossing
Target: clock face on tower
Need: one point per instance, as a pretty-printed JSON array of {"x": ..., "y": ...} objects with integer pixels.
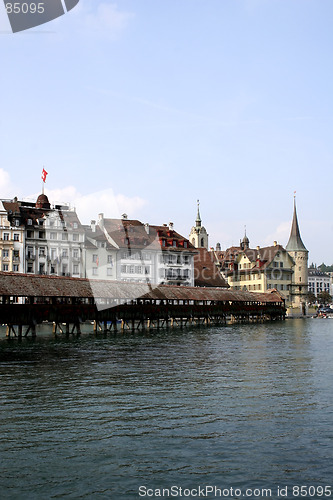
[{"x": 26, "y": 14}]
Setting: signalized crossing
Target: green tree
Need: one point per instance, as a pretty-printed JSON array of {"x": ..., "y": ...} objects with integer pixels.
[
  {"x": 324, "y": 297},
  {"x": 325, "y": 269},
  {"x": 311, "y": 298}
]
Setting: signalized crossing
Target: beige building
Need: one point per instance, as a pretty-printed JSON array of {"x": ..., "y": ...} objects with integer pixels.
[
  {"x": 11, "y": 243},
  {"x": 262, "y": 269}
]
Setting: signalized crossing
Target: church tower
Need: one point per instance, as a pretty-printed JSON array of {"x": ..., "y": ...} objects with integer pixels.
[
  {"x": 298, "y": 252},
  {"x": 245, "y": 242},
  {"x": 198, "y": 236}
]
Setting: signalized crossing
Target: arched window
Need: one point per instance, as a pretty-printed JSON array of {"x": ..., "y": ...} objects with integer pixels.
[{"x": 202, "y": 243}]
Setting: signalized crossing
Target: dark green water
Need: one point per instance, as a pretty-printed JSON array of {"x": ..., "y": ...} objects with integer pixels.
[{"x": 247, "y": 406}]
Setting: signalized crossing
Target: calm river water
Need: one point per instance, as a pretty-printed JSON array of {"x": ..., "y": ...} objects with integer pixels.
[{"x": 239, "y": 406}]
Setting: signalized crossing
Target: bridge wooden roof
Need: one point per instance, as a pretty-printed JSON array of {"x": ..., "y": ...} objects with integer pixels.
[{"x": 27, "y": 285}]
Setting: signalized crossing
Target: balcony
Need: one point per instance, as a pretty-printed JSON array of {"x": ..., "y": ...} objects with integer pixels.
[{"x": 176, "y": 277}]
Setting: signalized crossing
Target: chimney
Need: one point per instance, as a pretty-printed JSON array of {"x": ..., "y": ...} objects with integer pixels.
[
  {"x": 147, "y": 227},
  {"x": 93, "y": 226},
  {"x": 218, "y": 247},
  {"x": 171, "y": 226},
  {"x": 124, "y": 217},
  {"x": 275, "y": 243},
  {"x": 101, "y": 220}
]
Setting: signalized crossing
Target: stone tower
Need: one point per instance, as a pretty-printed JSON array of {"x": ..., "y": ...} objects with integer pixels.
[
  {"x": 296, "y": 249},
  {"x": 198, "y": 236}
]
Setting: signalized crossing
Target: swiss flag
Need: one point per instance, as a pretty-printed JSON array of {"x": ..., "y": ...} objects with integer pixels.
[{"x": 44, "y": 174}]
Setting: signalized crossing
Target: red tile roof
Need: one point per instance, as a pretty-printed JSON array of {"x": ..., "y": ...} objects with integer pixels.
[
  {"x": 133, "y": 234},
  {"x": 206, "y": 273}
]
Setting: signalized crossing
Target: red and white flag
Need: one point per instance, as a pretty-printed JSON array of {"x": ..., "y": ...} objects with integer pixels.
[{"x": 44, "y": 174}]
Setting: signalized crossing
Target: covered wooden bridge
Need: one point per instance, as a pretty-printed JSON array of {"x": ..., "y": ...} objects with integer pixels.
[{"x": 28, "y": 300}]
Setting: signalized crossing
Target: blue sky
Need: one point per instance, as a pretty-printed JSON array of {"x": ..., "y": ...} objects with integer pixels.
[{"x": 145, "y": 106}]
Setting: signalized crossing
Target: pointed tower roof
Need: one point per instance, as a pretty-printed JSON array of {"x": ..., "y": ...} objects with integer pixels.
[
  {"x": 295, "y": 242},
  {"x": 198, "y": 219}
]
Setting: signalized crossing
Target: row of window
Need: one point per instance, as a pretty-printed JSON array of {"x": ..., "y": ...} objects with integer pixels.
[
  {"x": 174, "y": 259},
  {"x": 5, "y": 267},
  {"x": 129, "y": 255},
  {"x": 95, "y": 259},
  {"x": 254, "y": 287},
  {"x": 54, "y": 269},
  {"x": 6, "y": 254},
  {"x": 6, "y": 236},
  {"x": 54, "y": 253},
  {"x": 274, "y": 276},
  {"x": 246, "y": 265},
  {"x": 278, "y": 286},
  {"x": 320, "y": 287},
  {"x": 174, "y": 274},
  {"x": 52, "y": 222},
  {"x": 174, "y": 243},
  {"x": 135, "y": 269},
  {"x": 53, "y": 236}
]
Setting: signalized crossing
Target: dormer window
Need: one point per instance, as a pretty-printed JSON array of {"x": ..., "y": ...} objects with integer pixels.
[
  {"x": 174, "y": 243},
  {"x": 185, "y": 244}
]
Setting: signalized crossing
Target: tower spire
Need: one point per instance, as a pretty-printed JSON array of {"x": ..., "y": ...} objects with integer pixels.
[
  {"x": 198, "y": 219},
  {"x": 295, "y": 242}
]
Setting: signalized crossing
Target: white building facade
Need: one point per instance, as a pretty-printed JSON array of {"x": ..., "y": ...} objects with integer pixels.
[
  {"x": 149, "y": 254},
  {"x": 319, "y": 282},
  {"x": 11, "y": 242},
  {"x": 52, "y": 238}
]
